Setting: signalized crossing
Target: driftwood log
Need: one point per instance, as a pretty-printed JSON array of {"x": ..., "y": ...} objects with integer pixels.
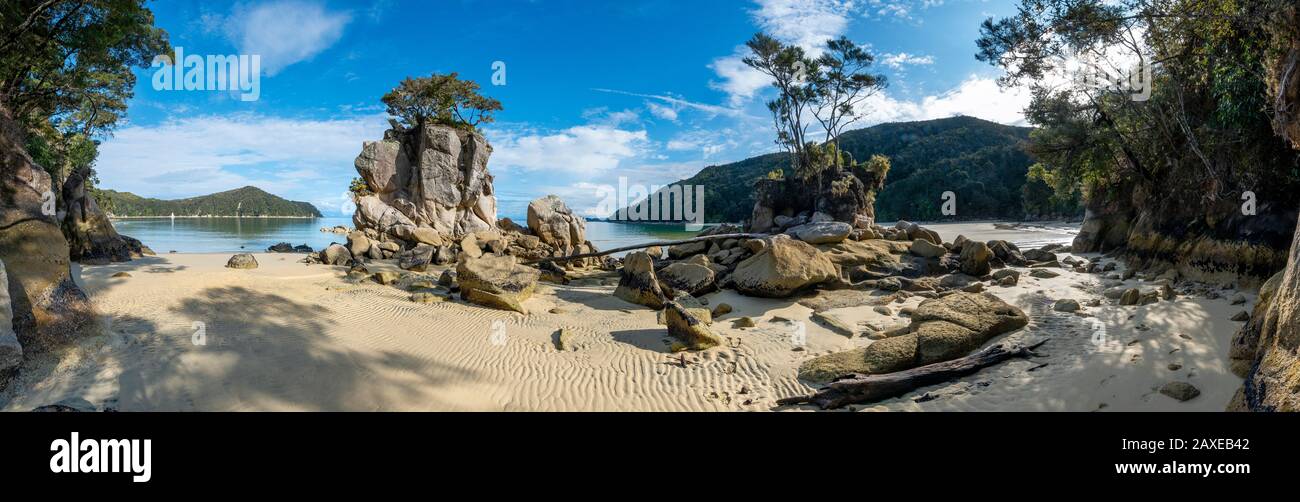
[
  {"x": 858, "y": 388},
  {"x": 647, "y": 245}
]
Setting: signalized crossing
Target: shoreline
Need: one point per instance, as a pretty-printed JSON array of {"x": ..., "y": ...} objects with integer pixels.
[{"x": 287, "y": 337}]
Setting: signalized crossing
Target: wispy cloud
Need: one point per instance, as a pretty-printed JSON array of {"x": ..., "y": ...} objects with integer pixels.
[
  {"x": 284, "y": 32},
  {"x": 899, "y": 60},
  {"x": 680, "y": 103}
]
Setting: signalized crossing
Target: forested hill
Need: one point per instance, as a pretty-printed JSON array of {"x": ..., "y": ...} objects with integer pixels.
[
  {"x": 984, "y": 163},
  {"x": 247, "y": 201}
]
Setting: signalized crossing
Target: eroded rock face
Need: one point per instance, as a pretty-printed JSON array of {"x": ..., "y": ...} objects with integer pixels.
[
  {"x": 1272, "y": 381},
  {"x": 942, "y": 329},
  {"x": 91, "y": 236},
  {"x": 429, "y": 184},
  {"x": 555, "y": 224},
  {"x": 685, "y": 325},
  {"x": 48, "y": 308},
  {"x": 496, "y": 281},
  {"x": 784, "y": 266},
  {"x": 11, "y": 351}
]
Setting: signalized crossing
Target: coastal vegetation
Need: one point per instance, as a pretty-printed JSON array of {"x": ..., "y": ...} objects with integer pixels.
[
  {"x": 984, "y": 163},
  {"x": 246, "y": 202}
]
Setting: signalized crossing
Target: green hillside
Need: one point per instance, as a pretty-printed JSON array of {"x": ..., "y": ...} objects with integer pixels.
[
  {"x": 983, "y": 163},
  {"x": 247, "y": 201}
]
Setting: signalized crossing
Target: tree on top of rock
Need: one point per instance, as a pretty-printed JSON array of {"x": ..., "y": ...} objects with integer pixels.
[{"x": 440, "y": 99}]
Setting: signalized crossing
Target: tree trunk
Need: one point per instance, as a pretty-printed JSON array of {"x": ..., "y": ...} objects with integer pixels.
[
  {"x": 647, "y": 245},
  {"x": 858, "y": 388}
]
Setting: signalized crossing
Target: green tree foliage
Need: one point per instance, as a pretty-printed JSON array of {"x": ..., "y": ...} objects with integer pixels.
[
  {"x": 440, "y": 99},
  {"x": 1200, "y": 139},
  {"x": 984, "y": 163},
  {"x": 360, "y": 187},
  {"x": 247, "y": 201},
  {"x": 68, "y": 62}
]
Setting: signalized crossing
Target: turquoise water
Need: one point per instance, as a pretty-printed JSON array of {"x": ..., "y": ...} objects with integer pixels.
[{"x": 221, "y": 235}]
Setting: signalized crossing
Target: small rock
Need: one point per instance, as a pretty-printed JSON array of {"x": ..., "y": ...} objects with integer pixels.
[
  {"x": 1238, "y": 299},
  {"x": 558, "y": 310},
  {"x": 1175, "y": 366},
  {"x": 121, "y": 274},
  {"x": 1241, "y": 316},
  {"x": 1043, "y": 273},
  {"x": 426, "y": 298},
  {"x": 385, "y": 278},
  {"x": 1067, "y": 305},
  {"x": 721, "y": 309},
  {"x": 242, "y": 261},
  {"x": 743, "y": 322},
  {"x": 1181, "y": 391}
]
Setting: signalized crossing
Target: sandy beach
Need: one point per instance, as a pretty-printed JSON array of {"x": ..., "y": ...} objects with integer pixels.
[{"x": 185, "y": 333}]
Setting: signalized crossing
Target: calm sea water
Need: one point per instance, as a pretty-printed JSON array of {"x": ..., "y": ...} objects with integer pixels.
[{"x": 221, "y": 235}]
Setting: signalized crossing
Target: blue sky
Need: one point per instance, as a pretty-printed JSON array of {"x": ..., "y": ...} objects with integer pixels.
[{"x": 648, "y": 90}]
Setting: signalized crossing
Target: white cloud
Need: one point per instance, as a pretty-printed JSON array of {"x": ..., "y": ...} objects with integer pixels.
[
  {"x": 976, "y": 97},
  {"x": 206, "y": 154},
  {"x": 806, "y": 23},
  {"x": 897, "y": 61},
  {"x": 284, "y": 32},
  {"x": 662, "y": 111},
  {"x": 587, "y": 149}
]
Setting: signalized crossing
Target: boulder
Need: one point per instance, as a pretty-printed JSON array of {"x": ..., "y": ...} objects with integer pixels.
[
  {"x": 1067, "y": 305},
  {"x": 555, "y": 224},
  {"x": 1130, "y": 296},
  {"x": 417, "y": 258},
  {"x": 927, "y": 249},
  {"x": 942, "y": 329},
  {"x": 336, "y": 254},
  {"x": 686, "y": 326},
  {"x": 1043, "y": 273},
  {"x": 1181, "y": 391},
  {"x": 1007, "y": 253},
  {"x": 242, "y": 261},
  {"x": 496, "y": 281},
  {"x": 682, "y": 251},
  {"x": 358, "y": 243},
  {"x": 822, "y": 232},
  {"x": 784, "y": 266},
  {"x": 974, "y": 258},
  {"x": 692, "y": 278},
  {"x": 1039, "y": 255},
  {"x": 637, "y": 282}
]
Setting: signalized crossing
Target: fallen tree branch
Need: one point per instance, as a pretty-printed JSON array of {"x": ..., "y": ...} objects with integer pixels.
[
  {"x": 859, "y": 388},
  {"x": 647, "y": 245}
]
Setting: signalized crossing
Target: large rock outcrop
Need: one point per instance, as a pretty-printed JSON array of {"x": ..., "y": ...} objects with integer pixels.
[
  {"x": 845, "y": 195},
  {"x": 555, "y": 224},
  {"x": 48, "y": 307},
  {"x": 433, "y": 177},
  {"x": 782, "y": 267},
  {"x": 91, "y": 236},
  {"x": 1273, "y": 333},
  {"x": 11, "y": 351},
  {"x": 942, "y": 329}
]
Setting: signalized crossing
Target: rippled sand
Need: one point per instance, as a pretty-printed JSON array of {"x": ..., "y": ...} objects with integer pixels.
[{"x": 287, "y": 336}]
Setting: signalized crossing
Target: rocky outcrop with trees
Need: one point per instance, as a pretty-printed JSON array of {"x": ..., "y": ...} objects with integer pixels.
[
  {"x": 61, "y": 88},
  {"x": 1179, "y": 170},
  {"x": 1266, "y": 352}
]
